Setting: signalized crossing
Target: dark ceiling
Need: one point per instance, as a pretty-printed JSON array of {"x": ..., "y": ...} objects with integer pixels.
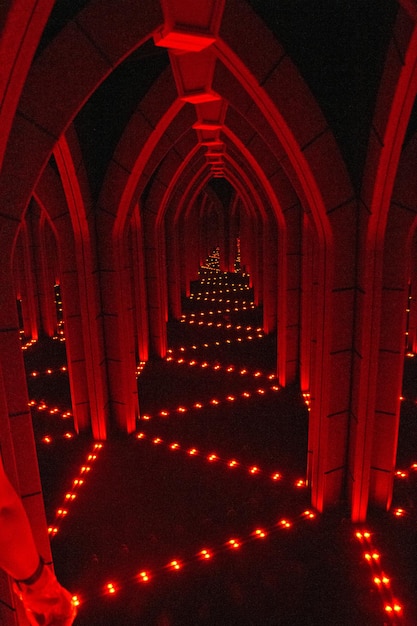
[{"x": 338, "y": 46}]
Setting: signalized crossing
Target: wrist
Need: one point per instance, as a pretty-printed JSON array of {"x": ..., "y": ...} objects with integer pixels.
[{"x": 33, "y": 579}]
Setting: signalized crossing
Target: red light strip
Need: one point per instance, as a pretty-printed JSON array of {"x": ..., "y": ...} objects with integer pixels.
[
  {"x": 71, "y": 495},
  {"x": 393, "y": 609},
  {"x": 213, "y": 402},
  {"x": 213, "y": 457},
  {"x": 229, "y": 369},
  {"x": 48, "y": 372},
  {"x": 42, "y": 407},
  {"x": 219, "y": 343},
  {"x": 205, "y": 554}
]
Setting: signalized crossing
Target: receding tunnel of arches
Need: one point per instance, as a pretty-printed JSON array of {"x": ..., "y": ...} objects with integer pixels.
[{"x": 207, "y": 229}]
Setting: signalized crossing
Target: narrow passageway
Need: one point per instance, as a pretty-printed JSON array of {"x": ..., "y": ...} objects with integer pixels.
[{"x": 201, "y": 516}]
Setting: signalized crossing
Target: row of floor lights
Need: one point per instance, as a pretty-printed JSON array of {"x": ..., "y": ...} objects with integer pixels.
[
  {"x": 212, "y": 402},
  {"x": 42, "y": 407},
  {"x": 223, "y": 311},
  {"x": 392, "y": 607},
  {"x": 213, "y": 457},
  {"x": 219, "y": 343},
  {"x": 229, "y": 369},
  {"x": 221, "y": 300},
  {"x": 111, "y": 588},
  {"x": 223, "y": 289},
  {"x": 63, "y": 511}
]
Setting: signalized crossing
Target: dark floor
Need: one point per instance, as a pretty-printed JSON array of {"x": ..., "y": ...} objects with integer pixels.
[{"x": 161, "y": 497}]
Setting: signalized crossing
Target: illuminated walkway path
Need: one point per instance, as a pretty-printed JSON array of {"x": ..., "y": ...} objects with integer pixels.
[{"x": 202, "y": 516}]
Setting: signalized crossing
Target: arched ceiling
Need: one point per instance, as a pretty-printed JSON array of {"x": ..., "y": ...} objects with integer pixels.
[
  {"x": 337, "y": 46},
  {"x": 244, "y": 81}
]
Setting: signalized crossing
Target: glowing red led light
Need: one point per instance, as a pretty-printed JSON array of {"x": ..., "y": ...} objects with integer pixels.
[
  {"x": 164, "y": 413},
  {"x": 175, "y": 565},
  {"x": 174, "y": 446},
  {"x": 254, "y": 470},
  {"x": 157, "y": 440},
  {"x": 76, "y": 600},
  {"x": 47, "y": 439},
  {"x": 205, "y": 554},
  {"x": 276, "y": 476},
  {"x": 181, "y": 409},
  {"x": 212, "y": 457},
  {"x": 233, "y": 543},
  {"x": 192, "y": 452},
  {"x": 399, "y": 512},
  {"x": 259, "y": 533},
  {"x": 233, "y": 463},
  {"x": 110, "y": 588},
  {"x": 284, "y": 523},
  {"x": 144, "y": 577}
]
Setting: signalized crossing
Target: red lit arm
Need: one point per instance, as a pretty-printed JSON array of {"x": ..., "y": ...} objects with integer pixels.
[{"x": 18, "y": 554}]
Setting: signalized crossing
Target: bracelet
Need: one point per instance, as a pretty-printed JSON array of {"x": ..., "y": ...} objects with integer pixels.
[{"x": 35, "y": 576}]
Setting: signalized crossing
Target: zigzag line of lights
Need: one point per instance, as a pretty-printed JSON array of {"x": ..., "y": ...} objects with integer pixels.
[
  {"x": 242, "y": 303},
  {"x": 222, "y": 311},
  {"x": 212, "y": 402},
  {"x": 48, "y": 372},
  {"x": 229, "y": 289},
  {"x": 229, "y": 369},
  {"x": 392, "y": 608},
  {"x": 63, "y": 511},
  {"x": 139, "y": 368},
  {"x": 219, "y": 343},
  {"x": 47, "y": 439},
  {"x": 400, "y": 473},
  {"x": 205, "y": 554},
  {"x": 212, "y": 457},
  {"x": 185, "y": 316},
  {"x": 226, "y": 325},
  {"x": 43, "y": 407}
]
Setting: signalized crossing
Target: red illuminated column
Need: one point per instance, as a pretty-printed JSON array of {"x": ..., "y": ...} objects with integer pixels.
[
  {"x": 412, "y": 304},
  {"x": 258, "y": 277},
  {"x": 123, "y": 374},
  {"x": 293, "y": 251},
  {"x": 30, "y": 289},
  {"x": 118, "y": 347},
  {"x": 153, "y": 253},
  {"x": 46, "y": 259},
  {"x": 173, "y": 267},
  {"x": 82, "y": 331},
  {"x": 139, "y": 288},
  {"x": 270, "y": 274},
  {"x": 16, "y": 434},
  {"x": 247, "y": 246},
  {"x": 74, "y": 344},
  {"x": 19, "y": 283},
  {"x": 307, "y": 308},
  {"x": 233, "y": 233},
  {"x": 376, "y": 431},
  {"x": 190, "y": 251}
]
